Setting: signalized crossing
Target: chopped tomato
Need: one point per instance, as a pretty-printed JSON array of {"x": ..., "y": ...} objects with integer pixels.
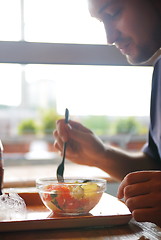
[
  {"x": 63, "y": 196},
  {"x": 69, "y": 203},
  {"x": 46, "y": 197},
  {"x": 62, "y": 192},
  {"x": 58, "y": 188}
]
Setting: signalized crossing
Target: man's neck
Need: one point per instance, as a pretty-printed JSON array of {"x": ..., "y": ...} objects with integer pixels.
[{"x": 153, "y": 59}]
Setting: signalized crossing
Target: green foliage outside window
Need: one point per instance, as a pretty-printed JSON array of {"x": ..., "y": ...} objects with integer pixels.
[
  {"x": 101, "y": 125},
  {"x": 27, "y": 126},
  {"x": 48, "y": 122},
  {"x": 45, "y": 125},
  {"x": 127, "y": 125}
]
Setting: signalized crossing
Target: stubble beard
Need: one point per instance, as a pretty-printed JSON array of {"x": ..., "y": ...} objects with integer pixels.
[
  {"x": 145, "y": 52},
  {"x": 143, "y": 56}
]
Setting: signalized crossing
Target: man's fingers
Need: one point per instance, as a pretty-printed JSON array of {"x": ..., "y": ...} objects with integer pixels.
[
  {"x": 58, "y": 144},
  {"x": 56, "y": 147},
  {"x": 139, "y": 202},
  {"x": 120, "y": 192},
  {"x": 137, "y": 177},
  {"x": 147, "y": 215},
  {"x": 136, "y": 190},
  {"x": 130, "y": 184}
]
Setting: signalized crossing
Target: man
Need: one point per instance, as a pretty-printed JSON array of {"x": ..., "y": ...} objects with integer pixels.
[{"x": 134, "y": 26}]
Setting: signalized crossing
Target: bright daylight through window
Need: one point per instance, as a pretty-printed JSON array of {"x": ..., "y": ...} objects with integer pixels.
[{"x": 56, "y": 60}]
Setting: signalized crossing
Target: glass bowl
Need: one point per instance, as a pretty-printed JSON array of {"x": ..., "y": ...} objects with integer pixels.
[{"x": 72, "y": 197}]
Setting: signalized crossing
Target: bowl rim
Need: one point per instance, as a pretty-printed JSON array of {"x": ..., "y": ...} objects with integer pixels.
[{"x": 48, "y": 180}]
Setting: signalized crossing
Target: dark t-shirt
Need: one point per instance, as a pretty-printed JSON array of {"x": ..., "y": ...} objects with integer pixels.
[{"x": 153, "y": 147}]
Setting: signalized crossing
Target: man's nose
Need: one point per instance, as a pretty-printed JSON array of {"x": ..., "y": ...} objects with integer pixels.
[{"x": 112, "y": 33}]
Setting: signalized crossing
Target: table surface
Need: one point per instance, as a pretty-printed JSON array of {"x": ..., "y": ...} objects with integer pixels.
[{"x": 132, "y": 231}]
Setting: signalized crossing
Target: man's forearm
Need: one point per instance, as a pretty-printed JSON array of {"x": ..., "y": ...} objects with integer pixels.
[{"x": 118, "y": 163}]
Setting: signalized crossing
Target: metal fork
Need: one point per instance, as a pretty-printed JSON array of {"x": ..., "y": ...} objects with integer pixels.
[{"x": 60, "y": 169}]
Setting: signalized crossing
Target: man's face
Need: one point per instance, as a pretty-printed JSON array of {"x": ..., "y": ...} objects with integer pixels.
[{"x": 134, "y": 26}]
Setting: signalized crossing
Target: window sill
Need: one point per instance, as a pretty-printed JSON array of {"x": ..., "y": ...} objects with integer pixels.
[{"x": 25, "y": 176}]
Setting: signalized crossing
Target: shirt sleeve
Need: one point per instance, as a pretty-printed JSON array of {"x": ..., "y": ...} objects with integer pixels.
[{"x": 146, "y": 149}]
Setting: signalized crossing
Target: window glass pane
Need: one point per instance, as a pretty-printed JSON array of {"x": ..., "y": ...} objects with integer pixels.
[
  {"x": 10, "y": 20},
  {"x": 90, "y": 90},
  {"x": 29, "y": 91},
  {"x": 111, "y": 91},
  {"x": 61, "y": 21},
  {"x": 10, "y": 82}
]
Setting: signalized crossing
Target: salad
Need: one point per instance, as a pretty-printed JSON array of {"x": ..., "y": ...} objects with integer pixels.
[{"x": 71, "y": 198}]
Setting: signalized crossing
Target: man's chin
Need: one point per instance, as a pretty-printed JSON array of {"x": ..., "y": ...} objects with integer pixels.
[
  {"x": 137, "y": 60},
  {"x": 146, "y": 58},
  {"x": 132, "y": 61}
]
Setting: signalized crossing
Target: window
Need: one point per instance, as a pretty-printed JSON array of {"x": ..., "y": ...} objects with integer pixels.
[
  {"x": 10, "y": 20},
  {"x": 90, "y": 90},
  {"x": 53, "y": 55},
  {"x": 55, "y": 21},
  {"x": 61, "y": 21}
]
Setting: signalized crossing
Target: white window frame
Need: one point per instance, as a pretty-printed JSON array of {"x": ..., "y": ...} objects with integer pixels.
[{"x": 23, "y": 52}]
